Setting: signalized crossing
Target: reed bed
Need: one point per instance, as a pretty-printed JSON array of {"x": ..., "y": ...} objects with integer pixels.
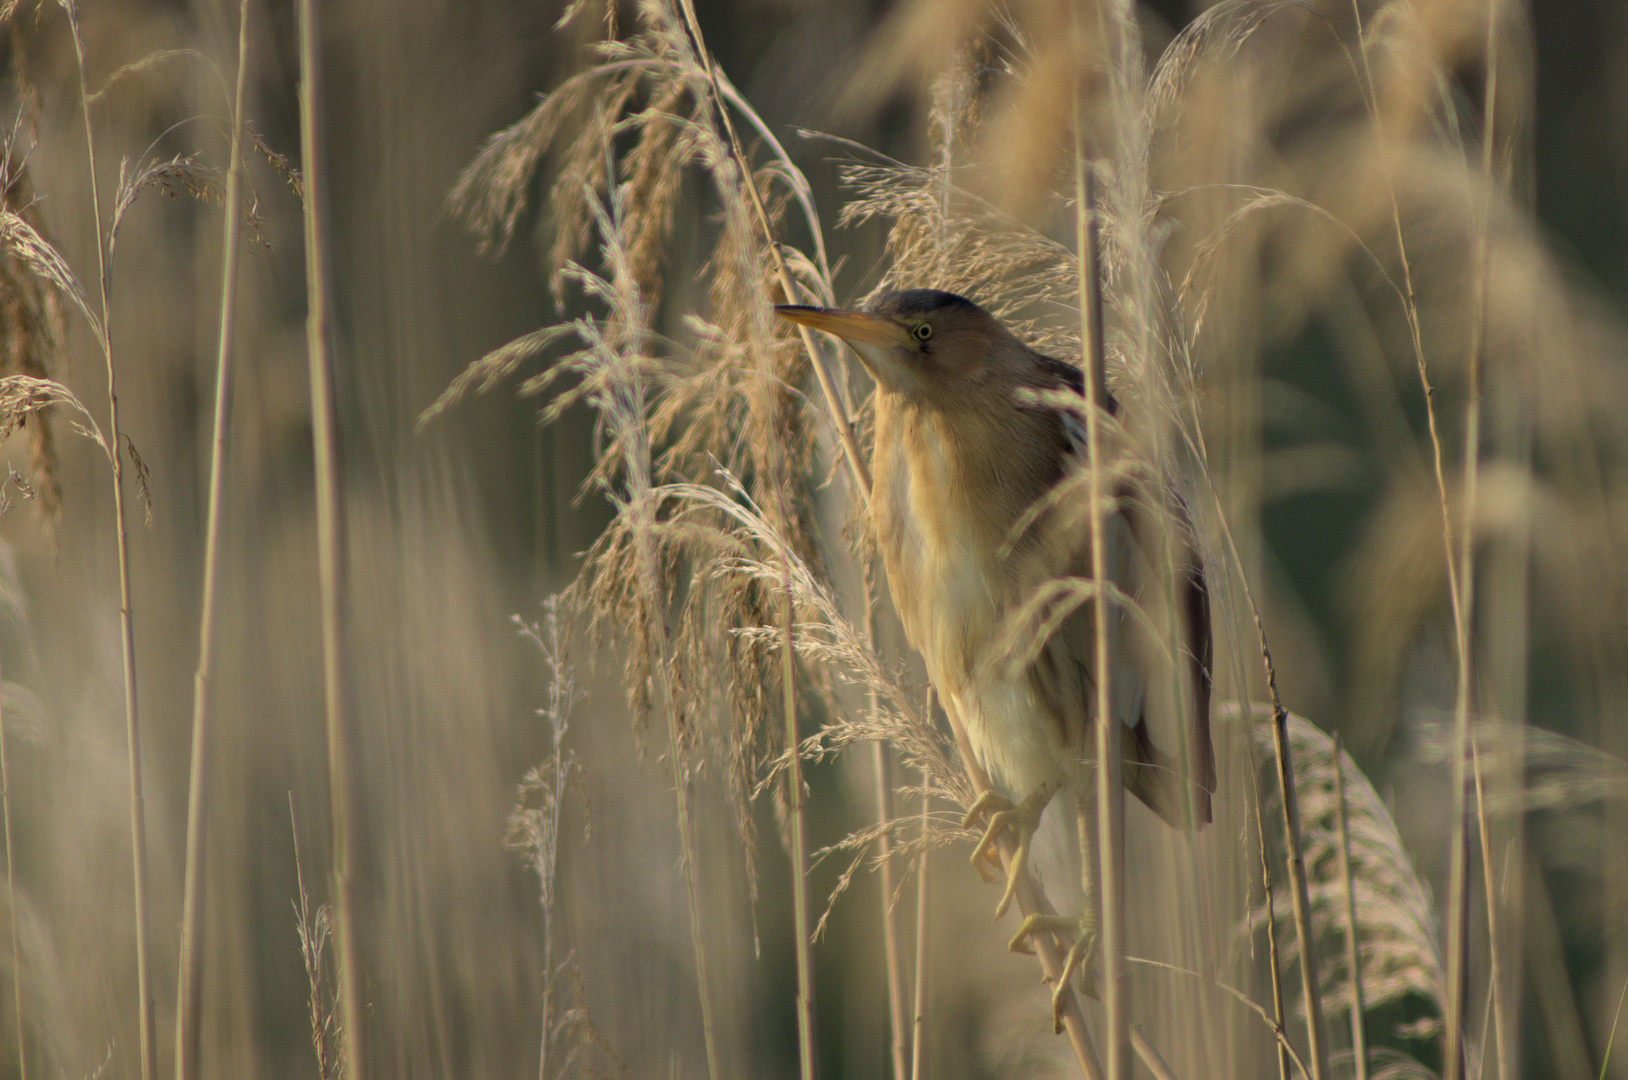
[{"x": 1294, "y": 241}]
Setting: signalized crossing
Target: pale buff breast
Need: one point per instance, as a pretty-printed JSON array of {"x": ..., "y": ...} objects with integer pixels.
[{"x": 940, "y": 547}]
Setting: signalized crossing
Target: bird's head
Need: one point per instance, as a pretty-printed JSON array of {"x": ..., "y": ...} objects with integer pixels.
[{"x": 918, "y": 342}]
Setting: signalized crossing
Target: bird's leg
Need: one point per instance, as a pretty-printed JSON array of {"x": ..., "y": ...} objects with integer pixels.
[
  {"x": 1078, "y": 933},
  {"x": 1022, "y": 818}
]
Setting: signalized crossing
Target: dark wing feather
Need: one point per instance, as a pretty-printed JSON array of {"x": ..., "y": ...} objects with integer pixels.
[{"x": 1151, "y": 775}]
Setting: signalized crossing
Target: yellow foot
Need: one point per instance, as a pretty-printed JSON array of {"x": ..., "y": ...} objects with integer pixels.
[
  {"x": 1078, "y": 934},
  {"x": 1023, "y": 819}
]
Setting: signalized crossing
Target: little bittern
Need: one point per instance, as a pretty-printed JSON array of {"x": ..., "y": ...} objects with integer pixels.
[{"x": 966, "y": 456}]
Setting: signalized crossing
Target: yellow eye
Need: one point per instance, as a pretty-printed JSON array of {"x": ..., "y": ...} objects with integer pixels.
[{"x": 923, "y": 331}]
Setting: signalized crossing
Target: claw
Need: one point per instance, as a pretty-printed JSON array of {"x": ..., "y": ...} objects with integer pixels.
[
  {"x": 1023, "y": 819},
  {"x": 985, "y": 854},
  {"x": 1058, "y": 925},
  {"x": 1080, "y": 955},
  {"x": 1079, "y": 933}
]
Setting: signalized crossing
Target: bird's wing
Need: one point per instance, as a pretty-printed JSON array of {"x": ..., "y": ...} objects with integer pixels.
[
  {"x": 1150, "y": 774},
  {"x": 1196, "y": 650}
]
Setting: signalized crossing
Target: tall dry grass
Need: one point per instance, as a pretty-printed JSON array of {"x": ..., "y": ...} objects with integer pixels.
[{"x": 1344, "y": 347}]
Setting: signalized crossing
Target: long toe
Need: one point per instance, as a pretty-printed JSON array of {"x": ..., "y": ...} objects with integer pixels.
[{"x": 1023, "y": 820}]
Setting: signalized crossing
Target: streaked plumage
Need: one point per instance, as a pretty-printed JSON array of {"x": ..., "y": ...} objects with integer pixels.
[{"x": 960, "y": 458}]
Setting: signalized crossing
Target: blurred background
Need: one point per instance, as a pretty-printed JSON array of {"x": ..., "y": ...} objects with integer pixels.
[{"x": 479, "y": 518}]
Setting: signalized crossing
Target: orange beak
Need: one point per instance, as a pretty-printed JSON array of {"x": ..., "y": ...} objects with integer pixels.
[{"x": 855, "y": 327}]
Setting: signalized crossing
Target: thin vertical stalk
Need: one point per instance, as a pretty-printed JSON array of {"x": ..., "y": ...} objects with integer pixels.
[
  {"x": 889, "y": 872},
  {"x": 1458, "y": 922},
  {"x": 661, "y": 647},
  {"x": 1271, "y": 917},
  {"x": 1353, "y": 954},
  {"x": 1110, "y": 792},
  {"x": 330, "y": 542},
  {"x": 1415, "y": 331},
  {"x": 799, "y": 835},
  {"x": 890, "y": 925},
  {"x": 861, "y": 477},
  {"x": 681, "y": 791},
  {"x": 132, "y": 725},
  {"x": 1291, "y": 820},
  {"x": 918, "y": 1041},
  {"x": 189, "y": 994},
  {"x": 1500, "y": 1020},
  {"x": 1298, "y": 893},
  {"x": 641, "y": 506},
  {"x": 11, "y": 901},
  {"x": 1459, "y": 566}
]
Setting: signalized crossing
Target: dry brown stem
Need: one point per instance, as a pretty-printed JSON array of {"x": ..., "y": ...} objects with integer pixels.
[
  {"x": 189, "y": 995},
  {"x": 331, "y": 549}
]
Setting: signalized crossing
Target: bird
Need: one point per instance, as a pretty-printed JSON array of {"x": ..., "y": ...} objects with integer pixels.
[{"x": 970, "y": 443}]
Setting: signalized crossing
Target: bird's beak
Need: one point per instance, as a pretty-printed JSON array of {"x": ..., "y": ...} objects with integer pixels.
[
  {"x": 858, "y": 328},
  {"x": 880, "y": 343}
]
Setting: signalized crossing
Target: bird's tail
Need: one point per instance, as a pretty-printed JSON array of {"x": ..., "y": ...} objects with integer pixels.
[{"x": 1154, "y": 777}]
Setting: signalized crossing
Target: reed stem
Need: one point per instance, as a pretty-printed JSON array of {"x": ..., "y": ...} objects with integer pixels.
[
  {"x": 1501, "y": 1033},
  {"x": 1291, "y": 812},
  {"x": 898, "y": 1025},
  {"x": 1110, "y": 789},
  {"x": 1299, "y": 894},
  {"x": 1458, "y": 908},
  {"x": 806, "y": 1057},
  {"x": 138, "y": 827},
  {"x": 189, "y": 994},
  {"x": 330, "y": 542},
  {"x": 1271, "y": 920},
  {"x": 1353, "y": 952},
  {"x": 1031, "y": 900},
  {"x": 641, "y": 505},
  {"x": 1459, "y": 565},
  {"x": 918, "y": 1041},
  {"x": 11, "y": 898}
]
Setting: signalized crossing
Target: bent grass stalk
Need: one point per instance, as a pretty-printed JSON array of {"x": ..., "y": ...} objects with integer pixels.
[
  {"x": 189, "y": 995},
  {"x": 828, "y": 387},
  {"x": 138, "y": 827},
  {"x": 330, "y": 544},
  {"x": 1459, "y": 584}
]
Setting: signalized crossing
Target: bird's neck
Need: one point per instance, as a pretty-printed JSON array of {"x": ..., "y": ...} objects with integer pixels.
[{"x": 959, "y": 473}]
